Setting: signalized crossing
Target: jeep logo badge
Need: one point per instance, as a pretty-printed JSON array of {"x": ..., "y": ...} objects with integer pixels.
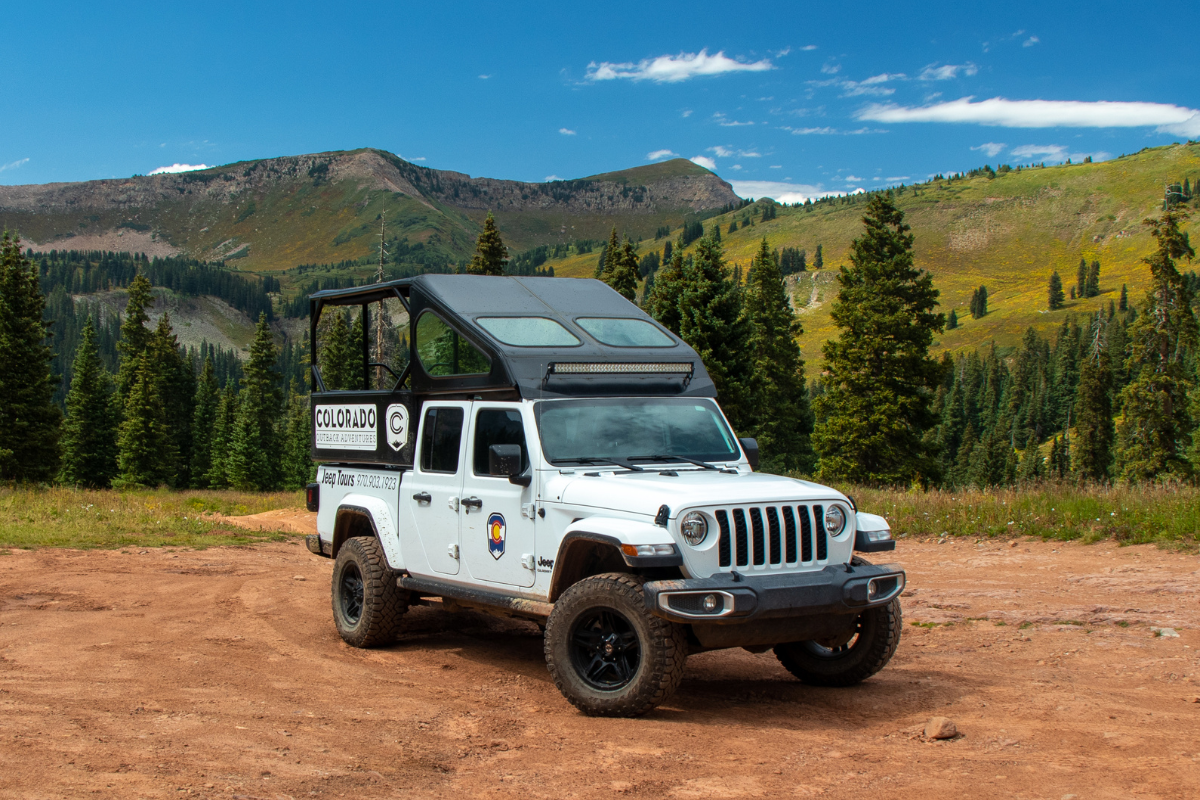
[
  {"x": 397, "y": 426},
  {"x": 495, "y": 532}
]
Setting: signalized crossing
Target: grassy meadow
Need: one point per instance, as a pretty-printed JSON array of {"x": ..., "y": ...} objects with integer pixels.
[
  {"x": 1007, "y": 232},
  {"x": 32, "y": 517},
  {"x": 1167, "y": 515}
]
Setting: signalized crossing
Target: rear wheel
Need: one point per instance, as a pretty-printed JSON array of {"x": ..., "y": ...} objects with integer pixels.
[
  {"x": 608, "y": 655},
  {"x": 367, "y": 604}
]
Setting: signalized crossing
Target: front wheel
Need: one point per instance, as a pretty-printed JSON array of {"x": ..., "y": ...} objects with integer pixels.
[
  {"x": 367, "y": 604},
  {"x": 607, "y": 654},
  {"x": 851, "y": 657}
]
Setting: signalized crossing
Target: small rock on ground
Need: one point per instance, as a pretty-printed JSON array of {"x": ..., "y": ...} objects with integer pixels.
[
  {"x": 940, "y": 728},
  {"x": 298, "y": 578}
]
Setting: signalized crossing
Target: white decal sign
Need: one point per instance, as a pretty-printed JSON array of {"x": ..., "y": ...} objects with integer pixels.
[
  {"x": 397, "y": 426},
  {"x": 349, "y": 427}
]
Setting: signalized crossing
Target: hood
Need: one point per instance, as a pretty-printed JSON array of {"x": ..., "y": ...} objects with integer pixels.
[{"x": 645, "y": 492}]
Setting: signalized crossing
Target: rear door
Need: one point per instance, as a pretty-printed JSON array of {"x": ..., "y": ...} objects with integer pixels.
[
  {"x": 498, "y": 518},
  {"x": 435, "y": 492}
]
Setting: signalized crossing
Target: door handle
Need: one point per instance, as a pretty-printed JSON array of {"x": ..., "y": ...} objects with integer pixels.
[
  {"x": 472, "y": 502},
  {"x": 423, "y": 497}
]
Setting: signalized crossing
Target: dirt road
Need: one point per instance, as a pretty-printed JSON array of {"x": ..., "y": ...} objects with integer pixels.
[{"x": 218, "y": 673}]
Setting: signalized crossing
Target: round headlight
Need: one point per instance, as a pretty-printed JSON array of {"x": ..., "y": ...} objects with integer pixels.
[
  {"x": 694, "y": 528},
  {"x": 835, "y": 520}
]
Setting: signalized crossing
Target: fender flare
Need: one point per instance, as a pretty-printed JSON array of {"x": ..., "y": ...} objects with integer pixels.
[
  {"x": 356, "y": 510},
  {"x": 610, "y": 533}
]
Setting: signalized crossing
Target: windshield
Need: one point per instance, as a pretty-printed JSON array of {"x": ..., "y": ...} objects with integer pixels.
[{"x": 629, "y": 428}]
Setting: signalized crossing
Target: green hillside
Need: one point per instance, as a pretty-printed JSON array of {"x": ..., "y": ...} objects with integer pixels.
[{"x": 1008, "y": 233}]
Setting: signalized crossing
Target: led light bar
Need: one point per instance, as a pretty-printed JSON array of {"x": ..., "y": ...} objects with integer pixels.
[{"x": 600, "y": 368}]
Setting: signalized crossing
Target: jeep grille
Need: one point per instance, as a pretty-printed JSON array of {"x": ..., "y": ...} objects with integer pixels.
[{"x": 760, "y": 536}]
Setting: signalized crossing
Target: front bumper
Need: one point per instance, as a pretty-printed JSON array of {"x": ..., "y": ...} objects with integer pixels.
[{"x": 729, "y": 599}]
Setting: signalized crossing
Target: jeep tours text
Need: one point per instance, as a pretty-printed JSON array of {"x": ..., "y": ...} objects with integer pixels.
[{"x": 544, "y": 450}]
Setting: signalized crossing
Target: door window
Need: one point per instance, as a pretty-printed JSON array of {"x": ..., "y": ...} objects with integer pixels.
[
  {"x": 440, "y": 437},
  {"x": 443, "y": 352},
  {"x": 497, "y": 426}
]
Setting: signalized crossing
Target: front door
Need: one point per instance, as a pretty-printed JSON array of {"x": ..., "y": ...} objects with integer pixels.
[
  {"x": 436, "y": 489},
  {"x": 498, "y": 516}
]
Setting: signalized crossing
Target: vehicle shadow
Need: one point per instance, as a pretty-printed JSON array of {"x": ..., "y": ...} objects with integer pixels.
[{"x": 719, "y": 687}]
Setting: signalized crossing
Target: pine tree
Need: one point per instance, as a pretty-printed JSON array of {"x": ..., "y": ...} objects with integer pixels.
[
  {"x": 1124, "y": 304},
  {"x": 227, "y": 414},
  {"x": 623, "y": 277},
  {"x": 1081, "y": 279},
  {"x": 952, "y": 321},
  {"x": 1092, "y": 287},
  {"x": 29, "y": 420},
  {"x": 662, "y": 300},
  {"x": 973, "y": 306},
  {"x": 89, "y": 433},
  {"x": 880, "y": 379},
  {"x": 143, "y": 445},
  {"x": 711, "y": 321},
  {"x": 818, "y": 259},
  {"x": 297, "y": 465},
  {"x": 491, "y": 255},
  {"x": 1072, "y": 292},
  {"x": 778, "y": 412},
  {"x": 1092, "y": 449},
  {"x": 135, "y": 336},
  {"x": 176, "y": 390},
  {"x": 1056, "y": 292},
  {"x": 609, "y": 255},
  {"x": 254, "y": 452},
  {"x": 1032, "y": 467},
  {"x": 982, "y": 308},
  {"x": 339, "y": 363},
  {"x": 1156, "y": 429},
  {"x": 204, "y": 422}
]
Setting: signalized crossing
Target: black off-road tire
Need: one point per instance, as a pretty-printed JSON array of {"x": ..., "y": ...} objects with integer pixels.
[
  {"x": 611, "y": 684},
  {"x": 875, "y": 638},
  {"x": 367, "y": 604}
]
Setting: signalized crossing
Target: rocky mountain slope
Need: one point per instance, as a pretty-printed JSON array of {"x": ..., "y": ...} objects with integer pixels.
[{"x": 276, "y": 213}]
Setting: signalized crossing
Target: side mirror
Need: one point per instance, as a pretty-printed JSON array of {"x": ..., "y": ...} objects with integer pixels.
[
  {"x": 504, "y": 460},
  {"x": 750, "y": 448}
]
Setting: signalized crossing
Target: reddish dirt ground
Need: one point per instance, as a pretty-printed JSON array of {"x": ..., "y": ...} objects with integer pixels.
[{"x": 218, "y": 673}]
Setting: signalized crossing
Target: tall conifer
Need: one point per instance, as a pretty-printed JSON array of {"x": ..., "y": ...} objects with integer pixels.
[
  {"x": 29, "y": 420},
  {"x": 778, "y": 412},
  {"x": 89, "y": 441},
  {"x": 1092, "y": 447},
  {"x": 1156, "y": 429},
  {"x": 662, "y": 300},
  {"x": 226, "y": 420},
  {"x": 144, "y": 446},
  {"x": 204, "y": 422},
  {"x": 880, "y": 379},
  {"x": 135, "y": 336},
  {"x": 176, "y": 390},
  {"x": 341, "y": 366},
  {"x": 1057, "y": 298},
  {"x": 254, "y": 451},
  {"x": 297, "y": 465},
  {"x": 624, "y": 275},
  {"x": 491, "y": 255}
]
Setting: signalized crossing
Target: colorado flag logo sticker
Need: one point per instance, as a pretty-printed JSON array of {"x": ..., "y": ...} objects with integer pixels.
[{"x": 495, "y": 533}]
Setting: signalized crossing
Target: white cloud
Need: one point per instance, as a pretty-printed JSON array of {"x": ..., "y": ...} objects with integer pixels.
[
  {"x": 1030, "y": 42},
  {"x": 411, "y": 158},
  {"x": 1055, "y": 152},
  {"x": 853, "y": 179},
  {"x": 566, "y": 131},
  {"x": 992, "y": 149},
  {"x": 484, "y": 77},
  {"x": 809, "y": 47},
  {"x": 946, "y": 71},
  {"x": 869, "y": 86},
  {"x": 552, "y": 178},
  {"x": 177, "y": 168},
  {"x": 1045, "y": 114},
  {"x": 725, "y": 152},
  {"x": 780, "y": 191},
  {"x": 895, "y": 178},
  {"x": 883, "y": 78},
  {"x": 736, "y": 166},
  {"x": 705, "y": 162},
  {"x": 776, "y": 166},
  {"x": 664, "y": 153},
  {"x": 728, "y": 123},
  {"x": 673, "y": 69},
  {"x": 687, "y": 113},
  {"x": 829, "y": 68},
  {"x": 810, "y": 131},
  {"x": 13, "y": 164}
]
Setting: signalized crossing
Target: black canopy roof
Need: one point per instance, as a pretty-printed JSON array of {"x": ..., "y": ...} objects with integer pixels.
[{"x": 589, "y": 368}]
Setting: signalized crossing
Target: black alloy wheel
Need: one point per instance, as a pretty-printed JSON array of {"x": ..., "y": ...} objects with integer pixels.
[
  {"x": 604, "y": 649},
  {"x": 352, "y": 594}
]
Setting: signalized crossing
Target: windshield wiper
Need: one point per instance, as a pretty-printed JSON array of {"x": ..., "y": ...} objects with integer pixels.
[
  {"x": 615, "y": 462},
  {"x": 684, "y": 459}
]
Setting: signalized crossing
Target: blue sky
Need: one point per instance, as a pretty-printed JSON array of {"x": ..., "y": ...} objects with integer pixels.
[{"x": 784, "y": 100}]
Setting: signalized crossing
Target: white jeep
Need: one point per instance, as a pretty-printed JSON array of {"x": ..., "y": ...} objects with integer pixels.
[{"x": 551, "y": 453}]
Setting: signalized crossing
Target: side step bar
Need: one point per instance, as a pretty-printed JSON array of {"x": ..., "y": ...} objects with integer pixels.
[{"x": 535, "y": 610}]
